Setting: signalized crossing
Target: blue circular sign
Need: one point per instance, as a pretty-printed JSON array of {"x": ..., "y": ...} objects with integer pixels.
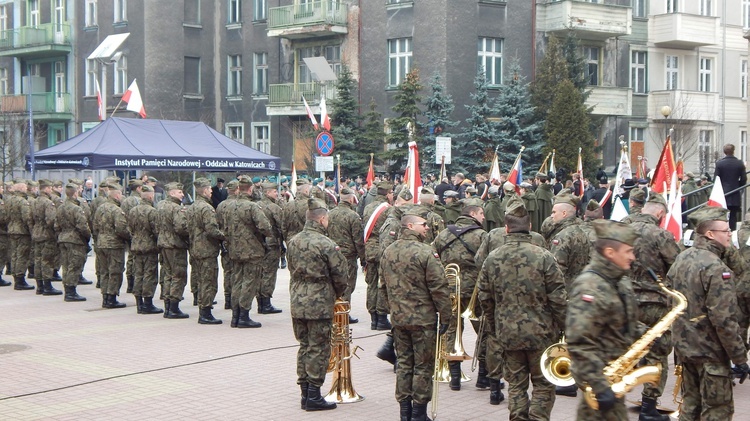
[{"x": 324, "y": 143}]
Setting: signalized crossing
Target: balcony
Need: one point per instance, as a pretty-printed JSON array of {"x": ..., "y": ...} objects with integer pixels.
[
  {"x": 681, "y": 30},
  {"x": 687, "y": 106},
  {"x": 592, "y": 21},
  {"x": 45, "y": 40},
  {"x": 610, "y": 100},
  {"x": 314, "y": 19},
  {"x": 49, "y": 106},
  {"x": 286, "y": 98}
]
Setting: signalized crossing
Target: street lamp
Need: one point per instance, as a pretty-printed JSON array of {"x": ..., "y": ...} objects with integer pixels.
[{"x": 666, "y": 111}]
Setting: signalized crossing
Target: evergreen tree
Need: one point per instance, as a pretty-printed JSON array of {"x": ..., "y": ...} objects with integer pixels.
[
  {"x": 345, "y": 121},
  {"x": 475, "y": 154},
  {"x": 373, "y": 137},
  {"x": 439, "y": 108},
  {"x": 517, "y": 123},
  {"x": 567, "y": 129},
  {"x": 577, "y": 72},
  {"x": 552, "y": 70},
  {"x": 407, "y": 110}
]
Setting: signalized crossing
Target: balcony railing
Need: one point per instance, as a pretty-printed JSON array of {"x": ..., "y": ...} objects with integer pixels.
[
  {"x": 286, "y": 98},
  {"x": 589, "y": 20},
  {"x": 314, "y": 18},
  {"x": 42, "y": 103},
  {"x": 30, "y": 36},
  {"x": 682, "y": 30},
  {"x": 610, "y": 100}
]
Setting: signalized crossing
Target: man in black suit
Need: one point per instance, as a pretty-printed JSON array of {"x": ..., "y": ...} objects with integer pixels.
[
  {"x": 732, "y": 173},
  {"x": 218, "y": 193}
]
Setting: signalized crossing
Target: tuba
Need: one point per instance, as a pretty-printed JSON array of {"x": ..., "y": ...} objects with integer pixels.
[
  {"x": 555, "y": 363},
  {"x": 342, "y": 390}
]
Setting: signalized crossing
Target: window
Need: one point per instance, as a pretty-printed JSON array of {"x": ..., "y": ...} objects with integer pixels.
[
  {"x": 399, "y": 60},
  {"x": 121, "y": 11},
  {"x": 743, "y": 145},
  {"x": 90, "y": 18},
  {"x": 639, "y": 8},
  {"x": 746, "y": 14},
  {"x": 591, "y": 56},
  {"x": 59, "y": 15},
  {"x": 260, "y": 81},
  {"x": 706, "y": 7},
  {"x": 3, "y": 21},
  {"x": 121, "y": 75},
  {"x": 743, "y": 78},
  {"x": 91, "y": 70},
  {"x": 235, "y": 11},
  {"x": 672, "y": 73},
  {"x": 4, "y": 81},
  {"x": 303, "y": 73},
  {"x": 259, "y": 10},
  {"x": 34, "y": 13},
  {"x": 235, "y": 131},
  {"x": 192, "y": 82},
  {"x": 705, "y": 74},
  {"x": 637, "y": 134},
  {"x": 704, "y": 150},
  {"x": 333, "y": 55},
  {"x": 638, "y": 72},
  {"x": 262, "y": 137},
  {"x": 192, "y": 11},
  {"x": 234, "y": 75},
  {"x": 672, "y": 6},
  {"x": 490, "y": 59}
]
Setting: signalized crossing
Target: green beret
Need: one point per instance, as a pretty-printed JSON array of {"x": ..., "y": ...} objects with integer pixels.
[
  {"x": 45, "y": 183},
  {"x": 268, "y": 185},
  {"x": 114, "y": 186},
  {"x": 256, "y": 180},
  {"x": 405, "y": 194},
  {"x": 517, "y": 208},
  {"x": 75, "y": 181},
  {"x": 233, "y": 185},
  {"x": 173, "y": 186},
  {"x": 592, "y": 205},
  {"x": 707, "y": 214},
  {"x": 329, "y": 183},
  {"x": 135, "y": 183},
  {"x": 638, "y": 195},
  {"x": 614, "y": 230},
  {"x": 283, "y": 179},
  {"x": 200, "y": 183},
  {"x": 313, "y": 204},
  {"x": 657, "y": 198},
  {"x": 147, "y": 189},
  {"x": 302, "y": 181},
  {"x": 567, "y": 198},
  {"x": 272, "y": 179},
  {"x": 352, "y": 184}
]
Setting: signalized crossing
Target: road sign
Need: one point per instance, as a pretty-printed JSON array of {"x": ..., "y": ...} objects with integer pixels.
[
  {"x": 442, "y": 148},
  {"x": 324, "y": 143},
  {"x": 323, "y": 163}
]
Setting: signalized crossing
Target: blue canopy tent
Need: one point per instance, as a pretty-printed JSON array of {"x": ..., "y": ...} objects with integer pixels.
[{"x": 125, "y": 144}]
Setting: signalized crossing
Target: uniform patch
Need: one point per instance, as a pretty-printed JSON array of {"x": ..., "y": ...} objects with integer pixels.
[
  {"x": 588, "y": 298},
  {"x": 555, "y": 242},
  {"x": 726, "y": 275},
  {"x": 437, "y": 256},
  {"x": 392, "y": 233},
  {"x": 338, "y": 248}
]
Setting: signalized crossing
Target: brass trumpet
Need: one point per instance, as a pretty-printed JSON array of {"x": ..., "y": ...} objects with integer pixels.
[
  {"x": 555, "y": 364},
  {"x": 453, "y": 273},
  {"x": 470, "y": 312},
  {"x": 342, "y": 390}
]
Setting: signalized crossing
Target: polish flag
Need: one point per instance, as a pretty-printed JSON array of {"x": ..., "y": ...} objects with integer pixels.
[
  {"x": 324, "y": 119},
  {"x": 412, "y": 178},
  {"x": 370, "y": 174},
  {"x": 579, "y": 171},
  {"x": 310, "y": 114},
  {"x": 133, "y": 97},
  {"x": 293, "y": 183},
  {"x": 717, "y": 198},
  {"x": 494, "y": 171},
  {"x": 99, "y": 103},
  {"x": 673, "y": 221}
]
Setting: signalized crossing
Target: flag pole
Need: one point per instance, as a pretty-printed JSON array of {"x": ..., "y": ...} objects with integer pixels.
[
  {"x": 116, "y": 107},
  {"x": 544, "y": 164}
]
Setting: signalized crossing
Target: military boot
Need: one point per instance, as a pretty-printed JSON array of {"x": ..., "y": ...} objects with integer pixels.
[
  {"x": 235, "y": 317},
  {"x": 83, "y": 281},
  {"x": 455, "y": 368},
  {"x": 20, "y": 283},
  {"x": 303, "y": 390},
  {"x": 387, "y": 352},
  {"x": 113, "y": 303},
  {"x": 245, "y": 321},
  {"x": 352, "y": 320},
  {"x": 131, "y": 283},
  {"x": 49, "y": 289},
  {"x": 570, "y": 391},
  {"x": 195, "y": 299},
  {"x": 175, "y": 312},
  {"x": 405, "y": 409},
  {"x": 139, "y": 304},
  {"x": 419, "y": 412},
  {"x": 4, "y": 283},
  {"x": 206, "y": 318},
  {"x": 496, "y": 396},
  {"x": 39, "y": 287},
  {"x": 105, "y": 300},
  {"x": 315, "y": 402},
  {"x": 267, "y": 307},
  {"x": 227, "y": 301},
  {"x": 31, "y": 272},
  {"x": 71, "y": 294},
  {"x": 383, "y": 323},
  {"x": 283, "y": 263},
  {"x": 98, "y": 283},
  {"x": 649, "y": 411},
  {"x": 373, "y": 320},
  {"x": 56, "y": 276},
  {"x": 7, "y": 269},
  {"x": 149, "y": 307},
  {"x": 482, "y": 381},
  {"x": 166, "y": 308}
]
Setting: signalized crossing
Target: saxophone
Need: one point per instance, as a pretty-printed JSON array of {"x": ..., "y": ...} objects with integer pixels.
[{"x": 621, "y": 373}]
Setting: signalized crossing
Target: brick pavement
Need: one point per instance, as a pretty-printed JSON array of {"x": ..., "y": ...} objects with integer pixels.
[{"x": 75, "y": 361}]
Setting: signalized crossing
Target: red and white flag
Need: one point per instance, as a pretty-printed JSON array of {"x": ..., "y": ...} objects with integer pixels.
[
  {"x": 99, "y": 103},
  {"x": 325, "y": 120},
  {"x": 717, "y": 197},
  {"x": 494, "y": 171},
  {"x": 624, "y": 172},
  {"x": 370, "y": 174},
  {"x": 579, "y": 171},
  {"x": 673, "y": 221},
  {"x": 133, "y": 97},
  {"x": 662, "y": 178},
  {"x": 412, "y": 178},
  {"x": 293, "y": 183},
  {"x": 310, "y": 114}
]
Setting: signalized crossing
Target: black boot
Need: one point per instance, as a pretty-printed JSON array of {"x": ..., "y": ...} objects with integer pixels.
[
  {"x": 49, "y": 289},
  {"x": 419, "y": 412},
  {"x": 315, "y": 402},
  {"x": 206, "y": 318},
  {"x": 386, "y": 352},
  {"x": 20, "y": 283},
  {"x": 455, "y": 368},
  {"x": 131, "y": 283},
  {"x": 31, "y": 272},
  {"x": 227, "y": 301},
  {"x": 267, "y": 307},
  {"x": 373, "y": 321},
  {"x": 383, "y": 323},
  {"x": 303, "y": 390},
  {"x": 352, "y": 320},
  {"x": 83, "y": 281},
  {"x": 167, "y": 304},
  {"x": 39, "y": 287},
  {"x": 482, "y": 381},
  {"x": 56, "y": 276},
  {"x": 113, "y": 303},
  {"x": 4, "y": 283},
  {"x": 139, "y": 304},
  {"x": 570, "y": 391},
  {"x": 175, "y": 312},
  {"x": 105, "y": 300},
  {"x": 405, "y": 409},
  {"x": 236, "y": 317},
  {"x": 195, "y": 299},
  {"x": 649, "y": 411},
  {"x": 72, "y": 295},
  {"x": 98, "y": 283},
  {"x": 496, "y": 396},
  {"x": 246, "y": 322},
  {"x": 7, "y": 269},
  {"x": 149, "y": 307},
  {"x": 283, "y": 263}
]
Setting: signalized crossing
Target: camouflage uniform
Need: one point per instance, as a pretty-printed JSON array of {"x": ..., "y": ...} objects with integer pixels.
[
  {"x": 4, "y": 241},
  {"x": 529, "y": 200},
  {"x": 743, "y": 279},
  {"x": 143, "y": 221},
  {"x": 20, "y": 225},
  {"x": 522, "y": 291},
  {"x": 570, "y": 246},
  {"x": 375, "y": 304},
  {"x": 112, "y": 234},
  {"x": 127, "y": 204},
  {"x": 205, "y": 242},
  {"x": 44, "y": 238},
  {"x": 345, "y": 229},
  {"x": 100, "y": 266},
  {"x": 224, "y": 208},
  {"x": 498, "y": 237},
  {"x": 73, "y": 238},
  {"x": 452, "y": 212},
  {"x": 293, "y": 216},
  {"x": 273, "y": 248},
  {"x": 173, "y": 245}
]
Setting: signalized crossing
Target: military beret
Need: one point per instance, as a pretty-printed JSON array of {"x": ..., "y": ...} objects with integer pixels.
[
  {"x": 45, "y": 183},
  {"x": 707, "y": 214},
  {"x": 329, "y": 183},
  {"x": 233, "y": 185},
  {"x": 283, "y": 179},
  {"x": 256, "y": 180},
  {"x": 352, "y": 184},
  {"x": 173, "y": 186},
  {"x": 147, "y": 189},
  {"x": 526, "y": 185},
  {"x": 427, "y": 190},
  {"x": 268, "y": 185},
  {"x": 517, "y": 208},
  {"x": 314, "y": 204},
  {"x": 450, "y": 193},
  {"x": 494, "y": 190},
  {"x": 508, "y": 186},
  {"x": 201, "y": 183},
  {"x": 152, "y": 179},
  {"x": 32, "y": 183},
  {"x": 385, "y": 185},
  {"x": 115, "y": 186},
  {"x": 567, "y": 198},
  {"x": 689, "y": 175},
  {"x": 75, "y": 181},
  {"x": 317, "y": 180},
  {"x": 57, "y": 183},
  {"x": 405, "y": 194},
  {"x": 638, "y": 195},
  {"x": 135, "y": 183},
  {"x": 302, "y": 181},
  {"x": 592, "y": 205},
  {"x": 656, "y": 198},
  {"x": 72, "y": 186},
  {"x": 607, "y": 229},
  {"x": 244, "y": 180}
]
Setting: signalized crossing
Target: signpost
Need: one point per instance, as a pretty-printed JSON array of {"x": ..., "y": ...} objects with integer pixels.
[
  {"x": 323, "y": 163},
  {"x": 324, "y": 143},
  {"x": 442, "y": 150}
]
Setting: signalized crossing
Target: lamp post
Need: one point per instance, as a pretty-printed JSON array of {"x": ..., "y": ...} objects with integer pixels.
[{"x": 666, "y": 111}]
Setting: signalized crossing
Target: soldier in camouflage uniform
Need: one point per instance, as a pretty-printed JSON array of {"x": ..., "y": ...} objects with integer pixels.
[
  {"x": 247, "y": 229},
  {"x": 222, "y": 210},
  {"x": 45, "y": 239},
  {"x": 57, "y": 200},
  {"x": 592, "y": 212},
  {"x": 98, "y": 201},
  {"x": 602, "y": 319},
  {"x": 345, "y": 229},
  {"x": 544, "y": 197},
  {"x": 173, "y": 245},
  {"x": 318, "y": 275},
  {"x": 743, "y": 281},
  {"x": 416, "y": 288},
  {"x": 143, "y": 221},
  {"x": 493, "y": 210},
  {"x": 111, "y": 228},
  {"x": 522, "y": 292},
  {"x": 205, "y": 242},
  {"x": 636, "y": 201},
  {"x": 32, "y": 192},
  {"x": 4, "y": 261},
  {"x": 452, "y": 207},
  {"x": 20, "y": 225},
  {"x": 374, "y": 217},
  {"x": 73, "y": 237},
  {"x": 293, "y": 213},
  {"x": 458, "y": 244},
  {"x": 434, "y": 221},
  {"x": 707, "y": 336},
  {"x": 272, "y": 211},
  {"x": 129, "y": 203}
]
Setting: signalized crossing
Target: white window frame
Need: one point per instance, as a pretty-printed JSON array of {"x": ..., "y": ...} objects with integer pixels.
[
  {"x": 672, "y": 72},
  {"x": 34, "y": 13},
  {"x": 587, "y": 56},
  {"x": 235, "y": 131},
  {"x": 234, "y": 75},
  {"x": 638, "y": 71},
  {"x": 234, "y": 14},
  {"x": 746, "y": 14},
  {"x": 399, "y": 60},
  {"x": 92, "y": 70},
  {"x": 121, "y": 11},
  {"x": 743, "y": 78},
  {"x": 490, "y": 60},
  {"x": 121, "y": 76},
  {"x": 260, "y": 10},
  {"x": 673, "y": 6},
  {"x": 260, "y": 74},
  {"x": 262, "y": 144},
  {"x": 705, "y": 74},
  {"x": 743, "y": 145},
  {"x": 4, "y": 81},
  {"x": 706, "y": 8},
  {"x": 637, "y": 134},
  {"x": 333, "y": 55},
  {"x": 91, "y": 13},
  {"x": 705, "y": 143},
  {"x": 4, "y": 21},
  {"x": 639, "y": 9}
]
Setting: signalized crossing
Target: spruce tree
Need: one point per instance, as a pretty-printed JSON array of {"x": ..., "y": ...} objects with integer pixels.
[
  {"x": 373, "y": 137},
  {"x": 345, "y": 121},
  {"x": 552, "y": 70},
  {"x": 407, "y": 110},
  {"x": 571, "y": 50},
  {"x": 475, "y": 153},
  {"x": 439, "y": 107}
]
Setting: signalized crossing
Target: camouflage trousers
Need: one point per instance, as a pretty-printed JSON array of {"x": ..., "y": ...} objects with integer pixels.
[
  {"x": 130, "y": 261},
  {"x": 206, "y": 275},
  {"x": 20, "y": 249},
  {"x": 520, "y": 366},
  {"x": 743, "y": 318},
  {"x": 115, "y": 264},
  {"x": 174, "y": 262},
  {"x": 482, "y": 349},
  {"x": 270, "y": 269},
  {"x": 314, "y": 337},
  {"x": 618, "y": 413},
  {"x": 245, "y": 282},
  {"x": 99, "y": 264},
  {"x": 193, "y": 279},
  {"x": 375, "y": 295},
  {"x": 4, "y": 255},
  {"x": 146, "y": 273},
  {"x": 650, "y": 314},
  {"x": 32, "y": 253},
  {"x": 494, "y": 357},
  {"x": 415, "y": 351},
  {"x": 44, "y": 259},
  {"x": 226, "y": 265},
  {"x": 352, "y": 279},
  {"x": 706, "y": 392},
  {"x": 73, "y": 258}
]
